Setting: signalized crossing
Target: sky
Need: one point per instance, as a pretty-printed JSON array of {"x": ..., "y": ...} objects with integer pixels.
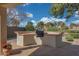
[{"x": 41, "y": 12}]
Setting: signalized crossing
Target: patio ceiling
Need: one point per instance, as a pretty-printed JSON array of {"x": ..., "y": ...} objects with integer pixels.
[{"x": 9, "y": 5}]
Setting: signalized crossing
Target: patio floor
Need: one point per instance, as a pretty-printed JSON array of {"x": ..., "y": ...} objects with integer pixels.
[{"x": 69, "y": 49}]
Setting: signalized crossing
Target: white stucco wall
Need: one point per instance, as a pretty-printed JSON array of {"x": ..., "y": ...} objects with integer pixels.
[{"x": 53, "y": 40}]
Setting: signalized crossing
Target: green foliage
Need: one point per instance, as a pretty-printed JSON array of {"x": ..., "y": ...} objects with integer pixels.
[
  {"x": 40, "y": 24},
  {"x": 59, "y": 9},
  {"x": 53, "y": 29},
  {"x": 29, "y": 27},
  {"x": 75, "y": 31},
  {"x": 72, "y": 31},
  {"x": 71, "y": 25},
  {"x": 68, "y": 31},
  {"x": 69, "y": 38},
  {"x": 49, "y": 24},
  {"x": 75, "y": 35}
]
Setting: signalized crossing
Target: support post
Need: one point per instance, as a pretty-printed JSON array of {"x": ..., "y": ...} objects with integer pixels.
[{"x": 3, "y": 28}]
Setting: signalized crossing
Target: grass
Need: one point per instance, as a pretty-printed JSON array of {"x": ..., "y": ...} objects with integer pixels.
[{"x": 69, "y": 38}]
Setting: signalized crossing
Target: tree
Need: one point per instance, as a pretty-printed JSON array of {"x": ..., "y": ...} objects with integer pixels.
[
  {"x": 40, "y": 24},
  {"x": 49, "y": 24},
  {"x": 12, "y": 19},
  {"x": 15, "y": 22},
  {"x": 58, "y": 9},
  {"x": 29, "y": 26},
  {"x": 72, "y": 25},
  {"x": 61, "y": 24}
]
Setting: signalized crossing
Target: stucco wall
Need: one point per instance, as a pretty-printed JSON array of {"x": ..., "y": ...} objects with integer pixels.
[
  {"x": 49, "y": 40},
  {"x": 53, "y": 40}
]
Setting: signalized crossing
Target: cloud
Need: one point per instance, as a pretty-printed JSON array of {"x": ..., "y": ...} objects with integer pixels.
[
  {"x": 29, "y": 15},
  {"x": 23, "y": 24},
  {"x": 34, "y": 22},
  {"x": 58, "y": 20},
  {"x": 12, "y": 11},
  {"x": 45, "y": 19},
  {"x": 76, "y": 21},
  {"x": 25, "y": 4},
  {"x": 51, "y": 19},
  {"x": 77, "y": 14}
]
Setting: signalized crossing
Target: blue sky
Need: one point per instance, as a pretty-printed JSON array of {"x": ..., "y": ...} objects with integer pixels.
[
  {"x": 41, "y": 12},
  {"x": 38, "y": 10}
]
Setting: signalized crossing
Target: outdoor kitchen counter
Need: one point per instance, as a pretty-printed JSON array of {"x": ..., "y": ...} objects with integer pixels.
[
  {"x": 33, "y": 33},
  {"x": 53, "y": 33},
  {"x": 53, "y": 39},
  {"x": 24, "y": 33},
  {"x": 25, "y": 38},
  {"x": 28, "y": 34}
]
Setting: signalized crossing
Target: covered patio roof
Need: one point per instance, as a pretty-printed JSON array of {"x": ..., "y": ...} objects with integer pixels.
[{"x": 9, "y": 5}]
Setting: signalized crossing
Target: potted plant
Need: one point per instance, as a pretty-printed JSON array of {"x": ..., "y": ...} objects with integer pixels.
[{"x": 7, "y": 49}]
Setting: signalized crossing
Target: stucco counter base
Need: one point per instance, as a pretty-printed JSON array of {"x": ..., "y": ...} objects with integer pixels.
[{"x": 50, "y": 39}]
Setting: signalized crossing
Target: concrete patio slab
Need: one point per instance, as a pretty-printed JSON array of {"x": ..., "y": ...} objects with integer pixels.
[{"x": 69, "y": 49}]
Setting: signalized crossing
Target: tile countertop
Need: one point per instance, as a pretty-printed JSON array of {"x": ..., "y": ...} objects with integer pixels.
[
  {"x": 33, "y": 33},
  {"x": 54, "y": 33}
]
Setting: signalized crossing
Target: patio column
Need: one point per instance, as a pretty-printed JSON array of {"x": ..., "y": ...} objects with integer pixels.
[{"x": 3, "y": 28}]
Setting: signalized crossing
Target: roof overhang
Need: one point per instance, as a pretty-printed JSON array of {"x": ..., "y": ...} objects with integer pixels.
[{"x": 9, "y": 5}]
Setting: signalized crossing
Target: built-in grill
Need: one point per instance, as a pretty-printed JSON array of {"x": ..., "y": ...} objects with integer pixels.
[{"x": 39, "y": 32}]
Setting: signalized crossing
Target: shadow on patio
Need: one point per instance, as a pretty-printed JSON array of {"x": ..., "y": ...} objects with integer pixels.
[
  {"x": 67, "y": 50},
  {"x": 21, "y": 49}
]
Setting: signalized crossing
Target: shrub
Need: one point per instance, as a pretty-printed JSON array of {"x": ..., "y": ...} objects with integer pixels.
[
  {"x": 29, "y": 27},
  {"x": 75, "y": 35},
  {"x": 40, "y": 24},
  {"x": 68, "y": 31},
  {"x": 72, "y": 31},
  {"x": 69, "y": 38},
  {"x": 75, "y": 31},
  {"x": 53, "y": 29}
]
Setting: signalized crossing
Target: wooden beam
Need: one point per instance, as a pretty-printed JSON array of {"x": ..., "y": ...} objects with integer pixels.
[
  {"x": 9, "y": 5},
  {"x": 3, "y": 28}
]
